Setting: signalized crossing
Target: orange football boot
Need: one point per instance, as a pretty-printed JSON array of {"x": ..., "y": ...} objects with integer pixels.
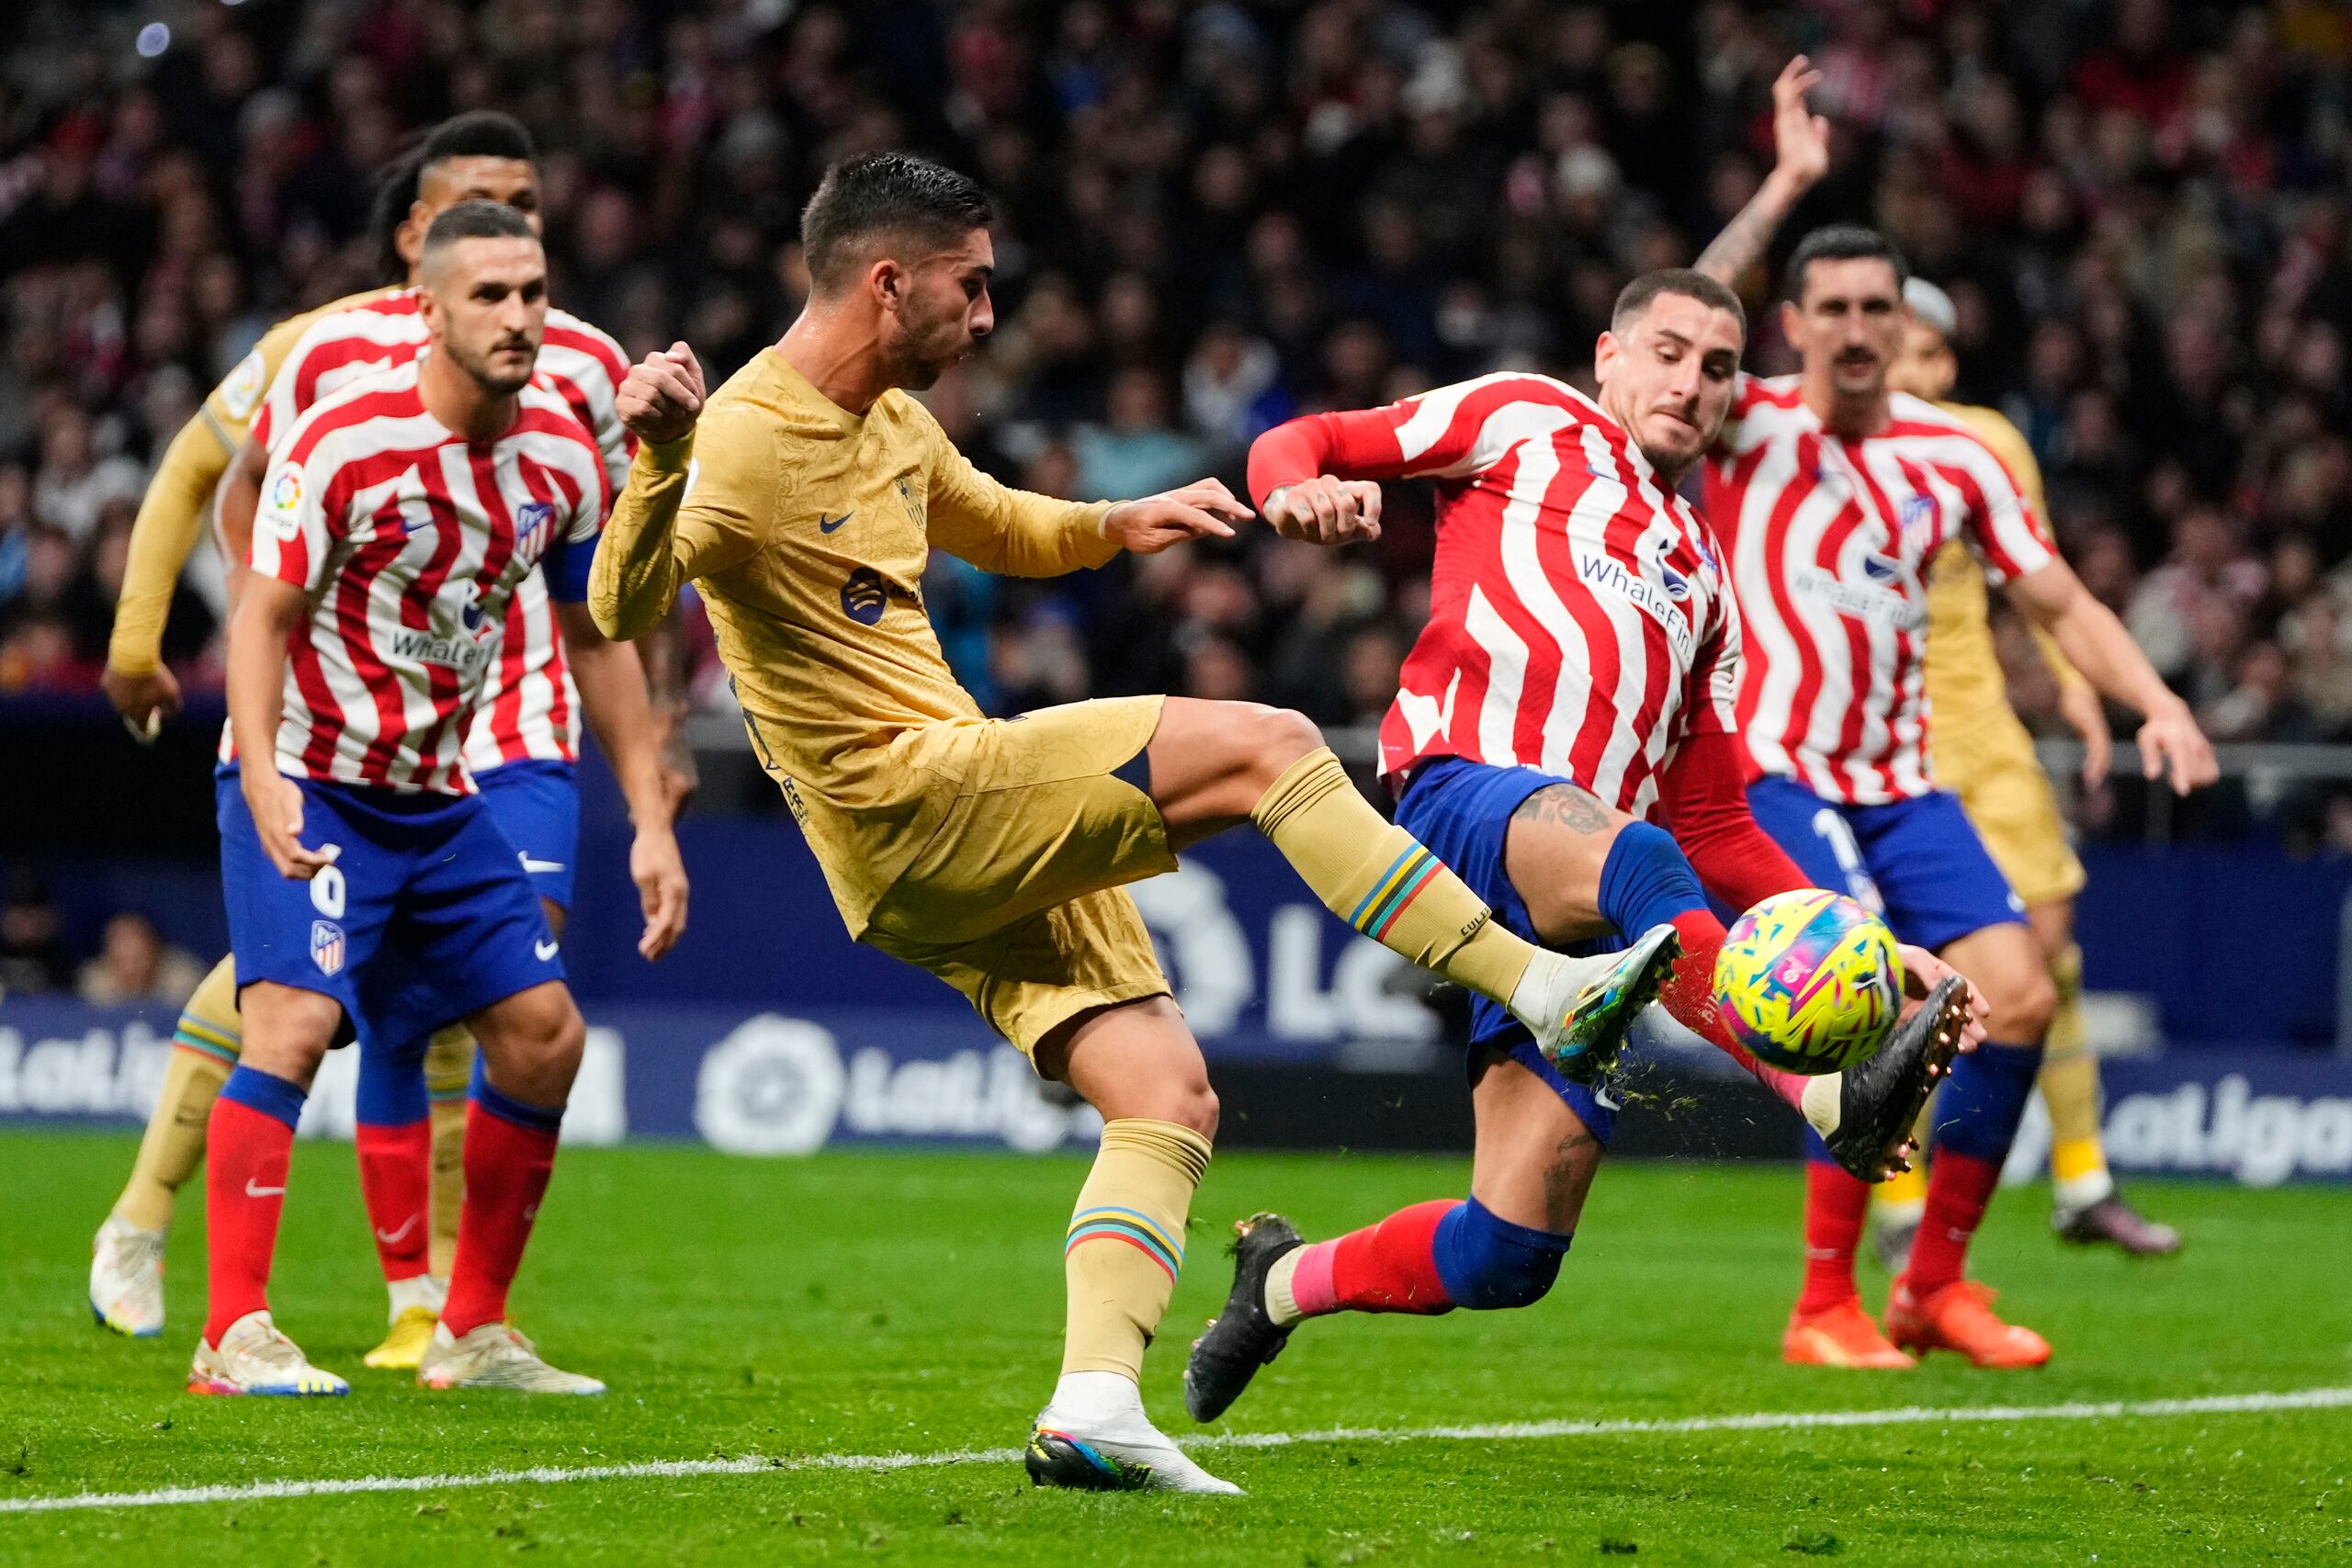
[
  {"x": 1960, "y": 1317},
  {"x": 1842, "y": 1336}
]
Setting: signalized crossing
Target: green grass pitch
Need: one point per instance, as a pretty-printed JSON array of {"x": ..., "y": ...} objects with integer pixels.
[{"x": 871, "y": 1303}]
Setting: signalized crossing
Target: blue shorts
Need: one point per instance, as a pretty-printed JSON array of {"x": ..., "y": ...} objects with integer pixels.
[
  {"x": 1917, "y": 861},
  {"x": 1461, "y": 812},
  {"x": 424, "y": 917},
  {"x": 536, "y": 804}
]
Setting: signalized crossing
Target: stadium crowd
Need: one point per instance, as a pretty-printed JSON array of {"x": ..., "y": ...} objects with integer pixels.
[{"x": 1215, "y": 216}]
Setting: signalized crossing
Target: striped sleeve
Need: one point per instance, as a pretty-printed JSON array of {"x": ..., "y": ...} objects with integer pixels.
[
  {"x": 293, "y": 530},
  {"x": 1712, "y": 705},
  {"x": 2003, "y": 525}
]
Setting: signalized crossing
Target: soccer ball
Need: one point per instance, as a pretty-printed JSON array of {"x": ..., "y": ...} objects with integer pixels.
[{"x": 1809, "y": 982}]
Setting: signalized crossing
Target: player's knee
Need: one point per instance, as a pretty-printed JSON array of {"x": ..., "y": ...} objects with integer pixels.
[
  {"x": 1275, "y": 738},
  {"x": 1488, "y": 1264},
  {"x": 2021, "y": 1005},
  {"x": 535, "y": 1045},
  {"x": 1194, "y": 1106}
]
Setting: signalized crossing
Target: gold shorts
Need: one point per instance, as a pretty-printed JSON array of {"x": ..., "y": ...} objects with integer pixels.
[
  {"x": 2008, "y": 797},
  {"x": 1016, "y": 901}
]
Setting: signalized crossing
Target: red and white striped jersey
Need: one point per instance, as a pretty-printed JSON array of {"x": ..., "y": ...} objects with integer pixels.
[
  {"x": 1829, "y": 541},
  {"x": 411, "y": 543},
  {"x": 1578, "y": 618},
  {"x": 530, "y": 707}
]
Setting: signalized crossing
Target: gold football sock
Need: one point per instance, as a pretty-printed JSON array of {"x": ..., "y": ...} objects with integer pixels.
[
  {"x": 2069, "y": 1086},
  {"x": 1379, "y": 879},
  {"x": 1126, "y": 1241},
  {"x": 203, "y": 1049},
  {"x": 448, "y": 1073}
]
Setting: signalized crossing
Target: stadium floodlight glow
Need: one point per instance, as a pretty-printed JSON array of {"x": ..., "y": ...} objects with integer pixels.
[{"x": 154, "y": 39}]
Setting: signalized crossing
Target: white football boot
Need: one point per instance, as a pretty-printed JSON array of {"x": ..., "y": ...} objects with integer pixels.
[
  {"x": 1095, "y": 1437},
  {"x": 253, "y": 1357},
  {"x": 1580, "y": 1009},
  {"x": 127, "y": 1278},
  {"x": 494, "y": 1355}
]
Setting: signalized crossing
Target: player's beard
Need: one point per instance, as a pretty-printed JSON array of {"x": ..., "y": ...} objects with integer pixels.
[
  {"x": 496, "y": 380},
  {"x": 926, "y": 349}
]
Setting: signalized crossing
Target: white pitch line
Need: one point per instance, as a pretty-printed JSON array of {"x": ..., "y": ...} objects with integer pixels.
[{"x": 1506, "y": 1431}]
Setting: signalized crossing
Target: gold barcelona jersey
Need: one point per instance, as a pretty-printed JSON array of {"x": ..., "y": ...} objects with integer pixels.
[
  {"x": 172, "y": 514},
  {"x": 1967, "y": 694},
  {"x": 806, "y": 529}
]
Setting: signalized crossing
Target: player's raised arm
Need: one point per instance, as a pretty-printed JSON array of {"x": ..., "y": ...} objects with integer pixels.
[
  {"x": 1800, "y": 157},
  {"x": 644, "y": 556}
]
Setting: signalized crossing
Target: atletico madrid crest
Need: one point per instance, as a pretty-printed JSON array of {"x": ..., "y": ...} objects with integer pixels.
[{"x": 326, "y": 946}]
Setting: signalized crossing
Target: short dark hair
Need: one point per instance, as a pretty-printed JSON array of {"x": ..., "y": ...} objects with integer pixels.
[
  {"x": 395, "y": 194},
  {"x": 476, "y": 220},
  {"x": 478, "y": 133},
  {"x": 1637, "y": 295},
  {"x": 1844, "y": 242},
  {"x": 886, "y": 193}
]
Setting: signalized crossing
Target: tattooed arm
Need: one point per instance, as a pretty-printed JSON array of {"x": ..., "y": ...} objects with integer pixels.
[{"x": 1801, "y": 150}]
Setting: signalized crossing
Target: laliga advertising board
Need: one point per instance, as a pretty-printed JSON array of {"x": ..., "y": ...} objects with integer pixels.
[{"x": 1266, "y": 977}]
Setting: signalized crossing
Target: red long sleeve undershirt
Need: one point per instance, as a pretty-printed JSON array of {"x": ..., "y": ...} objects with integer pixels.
[
  {"x": 1702, "y": 801},
  {"x": 1360, "y": 444}
]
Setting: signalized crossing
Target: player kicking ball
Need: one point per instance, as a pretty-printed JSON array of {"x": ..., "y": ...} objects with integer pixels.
[
  {"x": 364, "y": 878},
  {"x": 803, "y": 502},
  {"x": 1573, "y": 682}
]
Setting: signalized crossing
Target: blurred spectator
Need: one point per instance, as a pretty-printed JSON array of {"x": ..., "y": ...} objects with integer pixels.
[
  {"x": 1215, "y": 216},
  {"x": 136, "y": 964},
  {"x": 32, "y": 955}
]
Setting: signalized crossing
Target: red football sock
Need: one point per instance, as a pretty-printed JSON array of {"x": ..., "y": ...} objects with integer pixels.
[
  {"x": 1959, "y": 1188},
  {"x": 1835, "y": 1207},
  {"x": 1390, "y": 1266},
  {"x": 507, "y": 1167},
  {"x": 246, "y": 1152},
  {"x": 396, "y": 1179},
  {"x": 1689, "y": 995}
]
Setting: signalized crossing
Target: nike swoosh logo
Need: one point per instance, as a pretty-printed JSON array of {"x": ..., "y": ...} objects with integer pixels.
[
  {"x": 252, "y": 1191},
  {"x": 828, "y": 525},
  {"x": 391, "y": 1238},
  {"x": 534, "y": 866},
  {"x": 546, "y": 950}
]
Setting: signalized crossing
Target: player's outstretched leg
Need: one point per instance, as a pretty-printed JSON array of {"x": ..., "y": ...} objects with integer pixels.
[
  {"x": 1214, "y": 765},
  {"x": 1138, "y": 1065},
  {"x": 1933, "y": 1305},
  {"x": 530, "y": 1048},
  {"x": 394, "y": 1136},
  {"x": 1579, "y": 868},
  {"x": 2086, "y": 1208},
  {"x": 127, "y": 1256},
  {"x": 251, "y": 1139},
  {"x": 1538, "y": 1144}
]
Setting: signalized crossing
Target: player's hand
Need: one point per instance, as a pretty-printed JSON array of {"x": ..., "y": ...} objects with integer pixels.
[
  {"x": 144, "y": 701},
  {"x": 2079, "y": 705},
  {"x": 1326, "y": 510},
  {"x": 2172, "y": 747},
  {"x": 660, "y": 872},
  {"x": 1150, "y": 525},
  {"x": 662, "y": 394},
  {"x": 276, "y": 806},
  {"x": 1923, "y": 972},
  {"x": 1799, "y": 137}
]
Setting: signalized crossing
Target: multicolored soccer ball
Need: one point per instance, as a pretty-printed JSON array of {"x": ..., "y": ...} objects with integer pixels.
[{"x": 1809, "y": 982}]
